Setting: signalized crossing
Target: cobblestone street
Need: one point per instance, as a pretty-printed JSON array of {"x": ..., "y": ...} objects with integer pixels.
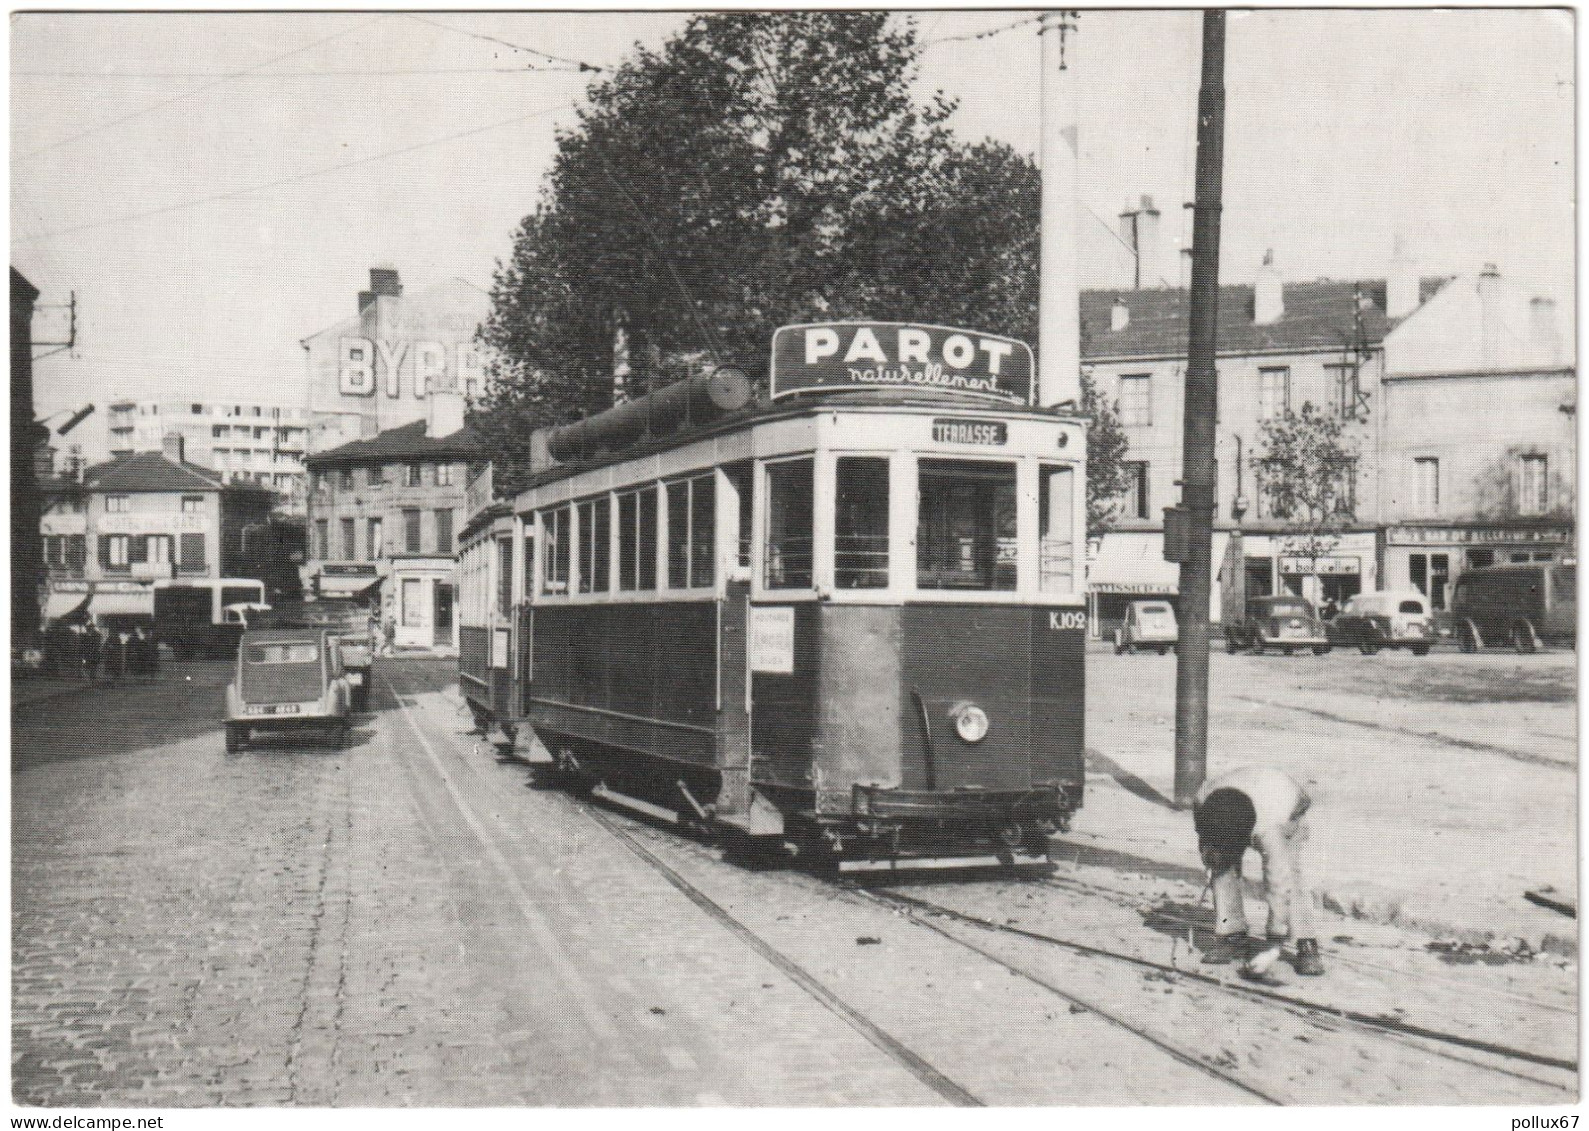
[
  {"x": 405, "y": 922},
  {"x": 412, "y": 922}
]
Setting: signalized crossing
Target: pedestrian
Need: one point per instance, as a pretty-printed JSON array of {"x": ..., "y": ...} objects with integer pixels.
[{"x": 1263, "y": 808}]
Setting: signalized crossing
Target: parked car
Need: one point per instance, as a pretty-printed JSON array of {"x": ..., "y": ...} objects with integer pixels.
[
  {"x": 350, "y": 622},
  {"x": 1147, "y": 624},
  {"x": 1392, "y": 618},
  {"x": 1523, "y": 604},
  {"x": 288, "y": 679},
  {"x": 1286, "y": 623}
]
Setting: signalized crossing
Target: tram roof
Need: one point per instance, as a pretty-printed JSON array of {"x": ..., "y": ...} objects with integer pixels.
[{"x": 762, "y": 410}]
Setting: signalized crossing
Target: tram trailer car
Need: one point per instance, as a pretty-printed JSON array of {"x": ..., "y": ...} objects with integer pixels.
[{"x": 847, "y": 619}]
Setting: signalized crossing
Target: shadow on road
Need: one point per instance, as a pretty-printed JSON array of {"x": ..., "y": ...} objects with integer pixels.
[{"x": 1126, "y": 779}]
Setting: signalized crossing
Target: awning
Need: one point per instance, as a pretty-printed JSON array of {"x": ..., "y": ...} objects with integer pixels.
[
  {"x": 331, "y": 585},
  {"x": 1133, "y": 562},
  {"x": 102, "y": 604}
]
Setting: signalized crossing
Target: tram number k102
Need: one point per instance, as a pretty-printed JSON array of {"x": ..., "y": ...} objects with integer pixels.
[
  {"x": 1059, "y": 621},
  {"x": 991, "y": 433}
]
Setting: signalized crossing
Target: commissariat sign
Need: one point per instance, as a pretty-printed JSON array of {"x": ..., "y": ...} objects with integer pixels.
[{"x": 862, "y": 355}]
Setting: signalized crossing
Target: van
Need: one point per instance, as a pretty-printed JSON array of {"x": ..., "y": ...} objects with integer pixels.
[{"x": 1523, "y": 604}]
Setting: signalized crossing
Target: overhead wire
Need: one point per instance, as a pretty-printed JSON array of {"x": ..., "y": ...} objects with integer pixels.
[
  {"x": 522, "y": 69},
  {"x": 579, "y": 63},
  {"x": 325, "y": 170},
  {"x": 228, "y": 77}
]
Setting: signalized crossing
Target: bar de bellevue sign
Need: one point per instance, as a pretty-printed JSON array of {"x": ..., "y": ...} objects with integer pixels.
[{"x": 905, "y": 355}]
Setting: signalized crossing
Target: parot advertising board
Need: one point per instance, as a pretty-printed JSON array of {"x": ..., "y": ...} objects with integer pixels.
[{"x": 901, "y": 355}]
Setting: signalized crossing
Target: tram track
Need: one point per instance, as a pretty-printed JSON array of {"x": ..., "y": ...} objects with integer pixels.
[{"x": 1319, "y": 1014}]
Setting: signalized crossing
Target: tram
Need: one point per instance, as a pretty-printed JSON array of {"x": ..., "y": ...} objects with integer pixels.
[{"x": 844, "y": 616}]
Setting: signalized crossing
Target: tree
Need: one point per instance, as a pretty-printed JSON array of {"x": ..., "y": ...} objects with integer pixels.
[
  {"x": 1106, "y": 451},
  {"x": 1306, "y": 468},
  {"x": 760, "y": 169}
]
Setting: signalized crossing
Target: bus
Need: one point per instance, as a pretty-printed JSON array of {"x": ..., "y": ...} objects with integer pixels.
[{"x": 190, "y": 614}]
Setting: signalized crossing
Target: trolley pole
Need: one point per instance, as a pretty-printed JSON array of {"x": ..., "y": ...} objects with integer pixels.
[
  {"x": 1202, "y": 388},
  {"x": 1058, "y": 302}
]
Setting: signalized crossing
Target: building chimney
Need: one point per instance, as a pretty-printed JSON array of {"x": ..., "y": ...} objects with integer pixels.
[
  {"x": 174, "y": 447},
  {"x": 1401, "y": 284},
  {"x": 383, "y": 284},
  {"x": 446, "y": 413},
  {"x": 1490, "y": 329},
  {"x": 1544, "y": 337},
  {"x": 1268, "y": 296},
  {"x": 1119, "y": 315},
  {"x": 1139, "y": 227}
]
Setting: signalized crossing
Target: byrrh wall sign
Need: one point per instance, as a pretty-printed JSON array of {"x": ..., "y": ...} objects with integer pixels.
[{"x": 861, "y": 355}]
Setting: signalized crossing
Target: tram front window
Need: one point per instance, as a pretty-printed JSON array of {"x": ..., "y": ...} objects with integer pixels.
[
  {"x": 860, "y": 536},
  {"x": 789, "y": 525},
  {"x": 966, "y": 529}
]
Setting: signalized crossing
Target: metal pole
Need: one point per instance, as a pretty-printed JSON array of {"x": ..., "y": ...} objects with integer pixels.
[
  {"x": 1202, "y": 387},
  {"x": 1058, "y": 307}
]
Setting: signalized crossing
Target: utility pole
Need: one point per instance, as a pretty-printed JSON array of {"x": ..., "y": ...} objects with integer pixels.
[
  {"x": 1202, "y": 390},
  {"x": 1058, "y": 305}
]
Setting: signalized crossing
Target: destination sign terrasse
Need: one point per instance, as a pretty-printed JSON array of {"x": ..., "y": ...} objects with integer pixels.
[{"x": 862, "y": 355}]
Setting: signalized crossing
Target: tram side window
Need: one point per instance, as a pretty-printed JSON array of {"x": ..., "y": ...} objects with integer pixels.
[
  {"x": 504, "y": 575},
  {"x": 691, "y": 520},
  {"x": 742, "y": 476},
  {"x": 1056, "y": 513},
  {"x": 966, "y": 534},
  {"x": 789, "y": 525},
  {"x": 554, "y": 566},
  {"x": 637, "y": 539},
  {"x": 594, "y": 544},
  {"x": 860, "y": 535}
]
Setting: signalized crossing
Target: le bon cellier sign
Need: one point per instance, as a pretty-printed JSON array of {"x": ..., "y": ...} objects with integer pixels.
[{"x": 906, "y": 355}]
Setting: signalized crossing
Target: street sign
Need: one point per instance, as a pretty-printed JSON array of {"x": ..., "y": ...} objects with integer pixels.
[{"x": 907, "y": 355}]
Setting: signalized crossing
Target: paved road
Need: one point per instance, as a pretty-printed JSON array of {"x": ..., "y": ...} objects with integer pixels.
[{"x": 407, "y": 922}]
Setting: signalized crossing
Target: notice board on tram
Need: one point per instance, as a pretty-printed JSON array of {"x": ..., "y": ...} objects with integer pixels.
[{"x": 771, "y": 639}]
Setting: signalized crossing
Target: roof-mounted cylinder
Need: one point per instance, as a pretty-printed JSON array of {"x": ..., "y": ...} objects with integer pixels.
[{"x": 695, "y": 400}]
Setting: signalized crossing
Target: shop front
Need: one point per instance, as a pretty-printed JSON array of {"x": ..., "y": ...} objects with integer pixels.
[
  {"x": 420, "y": 602},
  {"x": 1431, "y": 558},
  {"x": 1129, "y": 566}
]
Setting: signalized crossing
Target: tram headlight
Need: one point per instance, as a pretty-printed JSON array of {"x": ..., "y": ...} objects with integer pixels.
[{"x": 971, "y": 721}]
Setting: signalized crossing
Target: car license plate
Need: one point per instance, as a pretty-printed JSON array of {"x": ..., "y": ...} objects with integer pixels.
[{"x": 273, "y": 709}]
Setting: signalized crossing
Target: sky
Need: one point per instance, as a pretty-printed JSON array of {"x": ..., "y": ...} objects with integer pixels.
[{"x": 215, "y": 187}]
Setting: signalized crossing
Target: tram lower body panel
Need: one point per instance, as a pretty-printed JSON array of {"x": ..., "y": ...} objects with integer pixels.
[{"x": 858, "y": 741}]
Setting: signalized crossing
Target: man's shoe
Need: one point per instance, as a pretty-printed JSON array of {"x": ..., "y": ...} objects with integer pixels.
[
  {"x": 1308, "y": 961},
  {"x": 1225, "y": 949}
]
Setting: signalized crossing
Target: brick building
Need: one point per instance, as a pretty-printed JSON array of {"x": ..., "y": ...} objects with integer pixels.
[
  {"x": 384, "y": 517},
  {"x": 111, "y": 533}
]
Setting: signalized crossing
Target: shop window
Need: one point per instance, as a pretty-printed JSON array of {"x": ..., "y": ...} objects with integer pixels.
[
  {"x": 1136, "y": 399},
  {"x": 1056, "y": 522},
  {"x": 790, "y": 525},
  {"x": 966, "y": 534},
  {"x": 637, "y": 539},
  {"x": 1478, "y": 559},
  {"x": 595, "y": 545},
  {"x": 691, "y": 526},
  {"x": 860, "y": 535},
  {"x": 1431, "y": 575},
  {"x": 554, "y": 563}
]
